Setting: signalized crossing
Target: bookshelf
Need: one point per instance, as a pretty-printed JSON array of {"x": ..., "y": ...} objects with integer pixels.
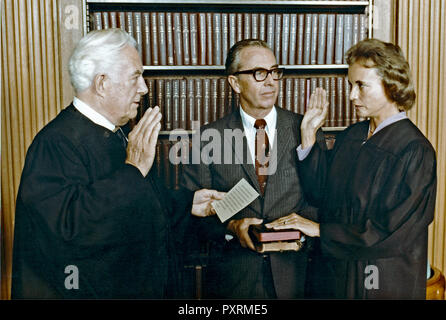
[{"x": 184, "y": 48}]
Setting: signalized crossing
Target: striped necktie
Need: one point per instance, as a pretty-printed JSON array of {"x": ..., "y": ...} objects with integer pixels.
[{"x": 261, "y": 153}]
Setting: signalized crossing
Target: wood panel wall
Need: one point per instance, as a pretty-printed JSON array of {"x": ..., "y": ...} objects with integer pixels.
[
  {"x": 30, "y": 98},
  {"x": 38, "y": 36},
  {"x": 421, "y": 33}
]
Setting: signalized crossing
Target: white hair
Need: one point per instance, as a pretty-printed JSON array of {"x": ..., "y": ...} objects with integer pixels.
[{"x": 97, "y": 52}]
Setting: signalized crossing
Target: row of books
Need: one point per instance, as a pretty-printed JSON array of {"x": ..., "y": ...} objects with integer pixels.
[
  {"x": 168, "y": 172},
  {"x": 185, "y": 100},
  {"x": 294, "y": 95},
  {"x": 189, "y": 38},
  {"x": 204, "y": 100}
]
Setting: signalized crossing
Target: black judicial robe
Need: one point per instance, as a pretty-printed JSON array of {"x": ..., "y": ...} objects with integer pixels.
[
  {"x": 376, "y": 201},
  {"x": 80, "y": 205}
]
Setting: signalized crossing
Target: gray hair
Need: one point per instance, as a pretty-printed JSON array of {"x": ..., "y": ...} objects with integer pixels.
[
  {"x": 233, "y": 59},
  {"x": 97, "y": 52}
]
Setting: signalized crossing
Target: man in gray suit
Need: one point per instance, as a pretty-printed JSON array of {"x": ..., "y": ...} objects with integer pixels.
[{"x": 236, "y": 269}]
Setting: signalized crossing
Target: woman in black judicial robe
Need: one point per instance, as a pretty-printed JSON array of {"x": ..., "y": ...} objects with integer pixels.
[{"x": 376, "y": 189}]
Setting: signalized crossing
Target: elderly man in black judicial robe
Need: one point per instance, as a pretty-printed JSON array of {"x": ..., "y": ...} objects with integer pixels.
[{"x": 91, "y": 219}]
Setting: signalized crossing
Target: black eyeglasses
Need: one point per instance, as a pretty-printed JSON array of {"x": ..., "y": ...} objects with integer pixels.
[{"x": 261, "y": 74}]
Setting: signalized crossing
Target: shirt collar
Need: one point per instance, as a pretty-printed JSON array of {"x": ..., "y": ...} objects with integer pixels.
[
  {"x": 392, "y": 119},
  {"x": 248, "y": 121},
  {"x": 93, "y": 115}
]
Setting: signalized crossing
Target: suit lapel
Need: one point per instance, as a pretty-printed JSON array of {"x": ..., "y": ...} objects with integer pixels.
[
  {"x": 284, "y": 133},
  {"x": 283, "y": 137},
  {"x": 235, "y": 122}
]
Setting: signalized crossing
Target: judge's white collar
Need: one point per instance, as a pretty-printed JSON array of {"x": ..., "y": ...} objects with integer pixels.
[{"x": 92, "y": 114}]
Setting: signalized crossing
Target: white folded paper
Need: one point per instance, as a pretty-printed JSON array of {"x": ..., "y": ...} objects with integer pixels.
[{"x": 240, "y": 196}]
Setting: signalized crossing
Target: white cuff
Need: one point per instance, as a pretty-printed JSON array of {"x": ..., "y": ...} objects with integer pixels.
[{"x": 303, "y": 153}]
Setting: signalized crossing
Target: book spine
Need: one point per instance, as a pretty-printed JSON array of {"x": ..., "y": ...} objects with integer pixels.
[
  {"x": 202, "y": 37},
  {"x": 363, "y": 27},
  {"x": 222, "y": 83},
  {"x": 278, "y": 38},
  {"x": 183, "y": 104},
  {"x": 247, "y": 26},
  {"x": 321, "y": 84},
  {"x": 162, "y": 38},
  {"x": 167, "y": 105},
  {"x": 331, "y": 21},
  {"x": 209, "y": 39},
  {"x": 186, "y": 40},
  {"x": 150, "y": 83},
  {"x": 313, "y": 84},
  {"x": 190, "y": 103},
  {"x": 300, "y": 38},
  {"x": 193, "y": 38},
  {"x": 97, "y": 21},
  {"x": 355, "y": 34},
  {"x": 206, "y": 101},
  {"x": 307, "y": 92},
  {"x": 339, "y": 49},
  {"x": 270, "y": 30},
  {"x": 198, "y": 101},
  {"x": 130, "y": 28},
  {"x": 262, "y": 26},
  {"x": 332, "y": 108},
  {"x": 138, "y": 31},
  {"x": 288, "y": 93},
  {"x": 240, "y": 27},
  {"x": 175, "y": 103},
  {"x": 216, "y": 19},
  {"x": 121, "y": 20},
  {"x": 307, "y": 39},
  {"x": 285, "y": 38},
  {"x": 328, "y": 92},
  {"x": 105, "y": 20},
  {"x": 314, "y": 34},
  {"x": 302, "y": 95},
  {"x": 348, "y": 33},
  {"x": 348, "y": 106},
  {"x": 322, "y": 44},
  {"x": 293, "y": 39},
  {"x": 113, "y": 19},
  {"x": 169, "y": 39},
  {"x": 178, "y": 38},
  {"x": 295, "y": 107},
  {"x": 147, "y": 48},
  {"x": 255, "y": 26},
  {"x": 232, "y": 29},
  {"x": 230, "y": 102},
  {"x": 280, "y": 96},
  {"x": 224, "y": 36},
  {"x": 154, "y": 38},
  {"x": 340, "y": 117},
  {"x": 236, "y": 99},
  {"x": 213, "y": 112}
]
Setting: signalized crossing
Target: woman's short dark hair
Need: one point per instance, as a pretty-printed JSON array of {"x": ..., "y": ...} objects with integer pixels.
[
  {"x": 233, "y": 58},
  {"x": 391, "y": 66}
]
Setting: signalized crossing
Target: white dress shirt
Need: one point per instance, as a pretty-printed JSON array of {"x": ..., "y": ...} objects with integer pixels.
[{"x": 250, "y": 130}]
